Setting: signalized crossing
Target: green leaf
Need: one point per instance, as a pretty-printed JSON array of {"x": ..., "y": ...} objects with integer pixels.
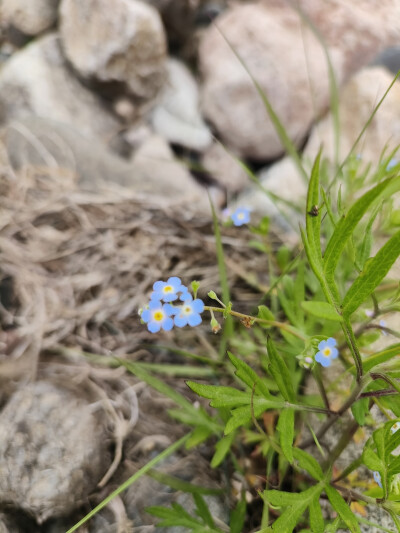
[
  {"x": 280, "y": 372},
  {"x": 199, "y": 435},
  {"x": 265, "y": 314},
  {"x": 222, "y": 448},
  {"x": 364, "y": 250},
  {"x": 343, "y": 509},
  {"x": 371, "y": 460},
  {"x": 360, "y": 410},
  {"x": 179, "y": 484},
  {"x": 313, "y": 221},
  {"x": 220, "y": 396},
  {"x": 238, "y": 517},
  {"x": 322, "y": 310},
  {"x": 248, "y": 376},
  {"x": 308, "y": 463},
  {"x": 378, "y": 358},
  {"x": 316, "y": 519},
  {"x": 286, "y": 432},
  {"x": 242, "y": 415},
  {"x": 203, "y": 511},
  {"x": 346, "y": 226},
  {"x": 159, "y": 385},
  {"x": 374, "y": 272}
]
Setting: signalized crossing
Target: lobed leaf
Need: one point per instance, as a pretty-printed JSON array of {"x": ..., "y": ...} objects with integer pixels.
[
  {"x": 248, "y": 376},
  {"x": 344, "y": 511},
  {"x": 308, "y": 463}
]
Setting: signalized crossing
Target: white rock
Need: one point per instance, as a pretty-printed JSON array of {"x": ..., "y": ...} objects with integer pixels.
[
  {"x": 177, "y": 117},
  {"x": 124, "y": 43},
  {"x": 29, "y": 16},
  {"x": 225, "y": 168},
  {"x": 356, "y": 103},
  {"x": 36, "y": 81},
  {"x": 288, "y": 62}
]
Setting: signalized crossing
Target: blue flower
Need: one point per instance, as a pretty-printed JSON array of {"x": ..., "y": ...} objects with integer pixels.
[
  {"x": 158, "y": 316},
  {"x": 168, "y": 291},
  {"x": 241, "y": 216},
  {"x": 377, "y": 478},
  {"x": 189, "y": 313},
  {"x": 383, "y": 324},
  {"x": 327, "y": 351}
]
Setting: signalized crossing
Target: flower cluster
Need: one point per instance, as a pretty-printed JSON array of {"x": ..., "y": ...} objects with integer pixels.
[
  {"x": 327, "y": 352},
  {"x": 162, "y": 314}
]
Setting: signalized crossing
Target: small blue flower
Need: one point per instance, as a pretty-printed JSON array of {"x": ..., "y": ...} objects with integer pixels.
[
  {"x": 169, "y": 290},
  {"x": 377, "y": 478},
  {"x": 158, "y": 316},
  {"x": 189, "y": 313},
  {"x": 241, "y": 216},
  {"x": 327, "y": 351}
]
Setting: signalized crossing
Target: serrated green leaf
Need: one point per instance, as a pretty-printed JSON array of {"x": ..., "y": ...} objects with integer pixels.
[
  {"x": 322, "y": 310},
  {"x": 280, "y": 372},
  {"x": 374, "y": 272},
  {"x": 346, "y": 226},
  {"x": 248, "y": 376},
  {"x": 342, "y": 509},
  {"x": 316, "y": 519},
  {"x": 371, "y": 460},
  {"x": 202, "y": 510},
  {"x": 286, "y": 432},
  {"x": 308, "y": 463},
  {"x": 222, "y": 448}
]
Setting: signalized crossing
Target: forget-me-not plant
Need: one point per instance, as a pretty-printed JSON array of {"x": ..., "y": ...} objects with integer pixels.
[{"x": 327, "y": 352}]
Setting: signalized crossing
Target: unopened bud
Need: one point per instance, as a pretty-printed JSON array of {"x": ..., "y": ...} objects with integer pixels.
[
  {"x": 215, "y": 325},
  {"x": 212, "y": 295}
]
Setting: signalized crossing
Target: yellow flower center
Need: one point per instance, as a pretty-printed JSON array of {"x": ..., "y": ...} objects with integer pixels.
[
  {"x": 187, "y": 309},
  {"x": 168, "y": 288},
  {"x": 240, "y": 216},
  {"x": 158, "y": 316},
  {"x": 327, "y": 352}
]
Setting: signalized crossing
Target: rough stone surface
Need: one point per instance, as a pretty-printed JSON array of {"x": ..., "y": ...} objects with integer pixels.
[
  {"x": 177, "y": 117},
  {"x": 356, "y": 103},
  {"x": 36, "y": 81},
  {"x": 153, "y": 170},
  {"x": 52, "y": 451},
  {"x": 29, "y": 16},
  {"x": 127, "y": 48},
  {"x": 288, "y": 62}
]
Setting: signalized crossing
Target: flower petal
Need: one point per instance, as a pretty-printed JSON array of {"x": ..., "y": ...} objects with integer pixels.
[
  {"x": 194, "y": 319},
  {"x": 198, "y": 305},
  {"x": 175, "y": 282},
  {"x": 155, "y": 304},
  {"x": 180, "y": 321},
  {"x": 153, "y": 327},
  {"x": 334, "y": 353},
  {"x": 322, "y": 360},
  {"x": 167, "y": 324},
  {"x": 331, "y": 342},
  {"x": 145, "y": 316},
  {"x": 158, "y": 285}
]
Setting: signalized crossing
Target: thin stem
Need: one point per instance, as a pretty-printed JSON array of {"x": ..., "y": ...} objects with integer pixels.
[
  {"x": 253, "y": 319},
  {"x": 317, "y": 376},
  {"x": 341, "y": 445},
  {"x": 378, "y": 393},
  {"x": 352, "y": 343}
]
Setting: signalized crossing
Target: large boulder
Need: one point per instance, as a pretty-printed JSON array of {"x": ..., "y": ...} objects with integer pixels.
[
  {"x": 124, "y": 47},
  {"x": 37, "y": 81},
  {"x": 30, "y": 17},
  {"x": 288, "y": 61}
]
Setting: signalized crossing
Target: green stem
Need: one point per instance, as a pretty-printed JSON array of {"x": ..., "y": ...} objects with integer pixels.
[
  {"x": 341, "y": 445},
  {"x": 352, "y": 343},
  {"x": 253, "y": 319}
]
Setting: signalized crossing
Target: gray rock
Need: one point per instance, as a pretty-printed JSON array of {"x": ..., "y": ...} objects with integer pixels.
[
  {"x": 127, "y": 48},
  {"x": 38, "y": 143},
  {"x": 224, "y": 167},
  {"x": 177, "y": 117},
  {"x": 36, "y": 81},
  {"x": 52, "y": 451},
  {"x": 288, "y": 62},
  {"x": 30, "y": 17},
  {"x": 389, "y": 58}
]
